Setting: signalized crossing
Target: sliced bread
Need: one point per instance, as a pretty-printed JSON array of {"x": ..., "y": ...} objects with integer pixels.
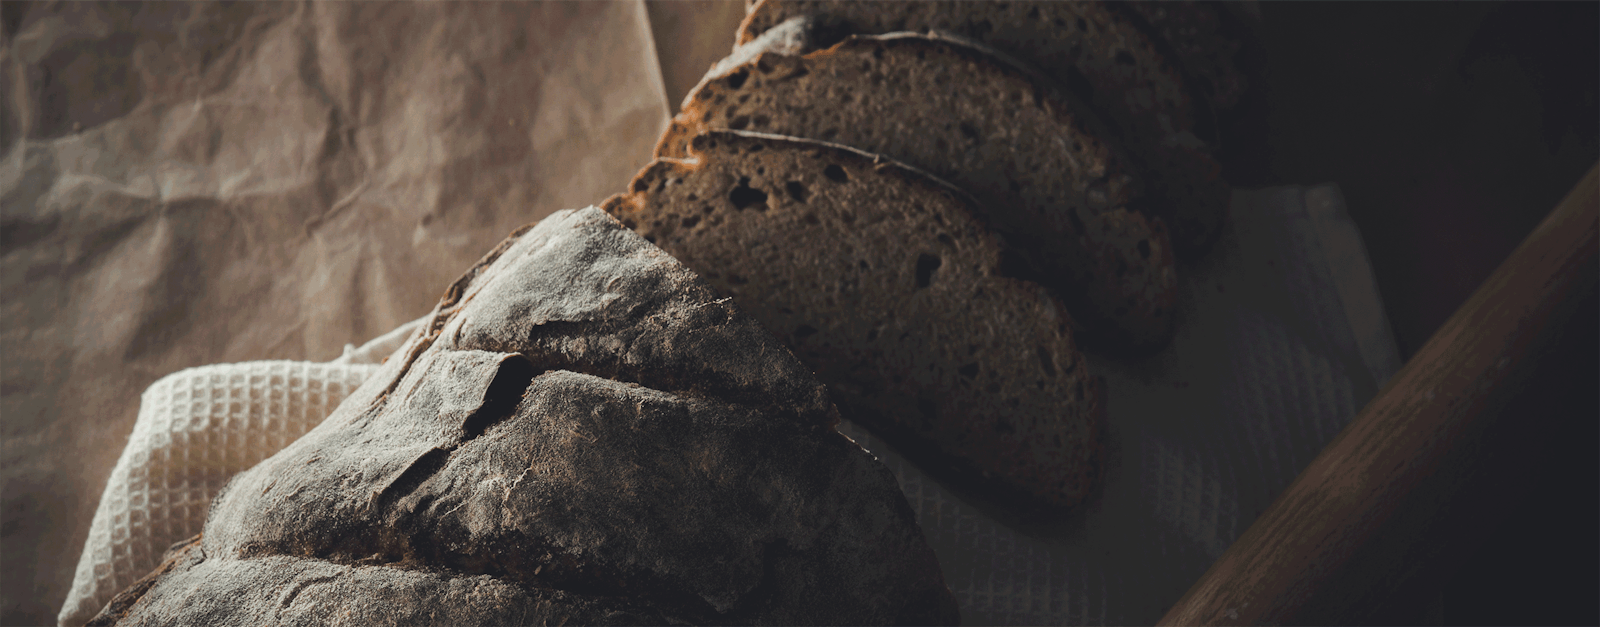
[
  {"x": 887, "y": 282},
  {"x": 1063, "y": 195},
  {"x": 1098, "y": 53}
]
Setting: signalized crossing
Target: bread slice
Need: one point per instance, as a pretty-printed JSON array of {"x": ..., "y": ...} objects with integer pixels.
[
  {"x": 887, "y": 282},
  {"x": 1096, "y": 52},
  {"x": 1063, "y": 196},
  {"x": 1203, "y": 38},
  {"x": 584, "y": 433}
]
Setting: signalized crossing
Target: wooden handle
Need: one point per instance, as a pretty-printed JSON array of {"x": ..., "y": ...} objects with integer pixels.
[{"x": 1347, "y": 532}]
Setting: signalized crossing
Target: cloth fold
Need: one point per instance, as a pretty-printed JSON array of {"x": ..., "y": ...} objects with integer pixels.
[{"x": 196, "y": 429}]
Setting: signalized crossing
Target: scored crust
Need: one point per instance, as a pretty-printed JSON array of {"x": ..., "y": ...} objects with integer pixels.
[{"x": 888, "y": 283}]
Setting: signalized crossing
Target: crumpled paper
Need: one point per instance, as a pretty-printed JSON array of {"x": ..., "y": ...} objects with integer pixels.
[{"x": 186, "y": 184}]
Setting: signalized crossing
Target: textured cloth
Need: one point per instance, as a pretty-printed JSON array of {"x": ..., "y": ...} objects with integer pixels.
[
  {"x": 196, "y": 429},
  {"x": 1281, "y": 340}
]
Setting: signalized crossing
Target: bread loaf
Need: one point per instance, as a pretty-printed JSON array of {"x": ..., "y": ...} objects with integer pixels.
[
  {"x": 1096, "y": 52},
  {"x": 584, "y": 433},
  {"x": 890, "y": 286},
  {"x": 1041, "y": 165}
]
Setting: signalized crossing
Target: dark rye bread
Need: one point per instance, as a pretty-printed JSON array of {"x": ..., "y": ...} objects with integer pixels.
[
  {"x": 584, "y": 434},
  {"x": 1064, "y": 198},
  {"x": 1204, "y": 37},
  {"x": 1095, "y": 52},
  {"x": 888, "y": 284}
]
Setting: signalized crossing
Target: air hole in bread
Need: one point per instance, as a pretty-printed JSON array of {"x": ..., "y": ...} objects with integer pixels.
[
  {"x": 1082, "y": 25},
  {"x": 835, "y": 173},
  {"x": 797, "y": 191},
  {"x": 739, "y": 123},
  {"x": 969, "y": 130},
  {"x": 948, "y": 241},
  {"x": 690, "y": 221},
  {"x": 1080, "y": 86},
  {"x": 926, "y": 264},
  {"x": 804, "y": 331},
  {"x": 736, "y": 80},
  {"x": 743, "y": 196},
  {"x": 1046, "y": 362},
  {"x": 969, "y": 371},
  {"x": 1124, "y": 58},
  {"x": 1144, "y": 248}
]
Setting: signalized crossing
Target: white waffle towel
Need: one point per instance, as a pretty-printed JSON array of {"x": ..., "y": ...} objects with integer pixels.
[{"x": 196, "y": 429}]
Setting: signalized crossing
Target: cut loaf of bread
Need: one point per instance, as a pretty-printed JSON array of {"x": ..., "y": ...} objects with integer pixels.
[
  {"x": 1064, "y": 197},
  {"x": 1096, "y": 52},
  {"x": 583, "y": 433},
  {"x": 887, "y": 282}
]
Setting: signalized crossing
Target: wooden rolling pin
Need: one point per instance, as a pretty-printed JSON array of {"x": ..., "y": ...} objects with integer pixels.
[{"x": 1384, "y": 498}]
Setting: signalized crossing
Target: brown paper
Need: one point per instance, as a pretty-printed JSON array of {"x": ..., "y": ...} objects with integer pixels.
[{"x": 187, "y": 184}]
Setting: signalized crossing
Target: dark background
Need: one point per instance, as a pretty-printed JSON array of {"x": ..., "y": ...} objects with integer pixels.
[{"x": 1452, "y": 130}]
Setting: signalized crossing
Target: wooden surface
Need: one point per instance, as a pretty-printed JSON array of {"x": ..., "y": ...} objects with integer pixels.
[{"x": 1392, "y": 492}]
